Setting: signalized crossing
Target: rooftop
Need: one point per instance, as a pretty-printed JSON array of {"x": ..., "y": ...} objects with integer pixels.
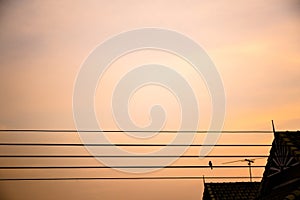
[
  {"x": 292, "y": 141},
  {"x": 227, "y": 191}
]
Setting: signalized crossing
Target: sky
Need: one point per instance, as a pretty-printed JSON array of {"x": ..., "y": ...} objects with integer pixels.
[{"x": 254, "y": 46}]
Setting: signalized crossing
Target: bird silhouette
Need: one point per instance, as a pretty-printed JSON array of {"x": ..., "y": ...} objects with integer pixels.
[{"x": 210, "y": 164}]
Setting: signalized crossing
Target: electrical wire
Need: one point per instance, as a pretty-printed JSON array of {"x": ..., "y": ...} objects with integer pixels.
[
  {"x": 127, "y": 178},
  {"x": 130, "y": 131},
  {"x": 126, "y": 166},
  {"x": 134, "y": 145},
  {"x": 132, "y": 156}
]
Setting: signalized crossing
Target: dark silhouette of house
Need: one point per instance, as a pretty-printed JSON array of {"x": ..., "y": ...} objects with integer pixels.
[
  {"x": 281, "y": 178},
  {"x": 228, "y": 191}
]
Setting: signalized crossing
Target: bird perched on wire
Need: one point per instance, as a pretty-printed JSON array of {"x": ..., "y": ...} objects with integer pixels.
[{"x": 210, "y": 164}]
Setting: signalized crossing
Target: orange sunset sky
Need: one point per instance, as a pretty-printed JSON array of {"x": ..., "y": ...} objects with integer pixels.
[{"x": 253, "y": 44}]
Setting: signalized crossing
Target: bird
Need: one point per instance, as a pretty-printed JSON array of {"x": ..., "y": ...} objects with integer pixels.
[{"x": 210, "y": 164}]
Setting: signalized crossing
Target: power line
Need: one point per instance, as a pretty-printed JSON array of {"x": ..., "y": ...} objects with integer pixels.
[
  {"x": 21, "y": 131},
  {"x": 132, "y": 156},
  {"x": 135, "y": 145},
  {"x": 126, "y": 178},
  {"x": 102, "y": 167},
  {"x": 130, "y": 131}
]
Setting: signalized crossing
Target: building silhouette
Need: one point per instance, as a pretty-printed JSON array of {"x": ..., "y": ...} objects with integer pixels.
[
  {"x": 281, "y": 179},
  {"x": 237, "y": 190}
]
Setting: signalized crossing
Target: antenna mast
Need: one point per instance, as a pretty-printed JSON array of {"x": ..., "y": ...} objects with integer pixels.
[
  {"x": 273, "y": 127},
  {"x": 249, "y": 164}
]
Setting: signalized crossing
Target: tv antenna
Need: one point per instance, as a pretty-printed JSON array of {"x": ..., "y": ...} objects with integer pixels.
[{"x": 249, "y": 164}]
